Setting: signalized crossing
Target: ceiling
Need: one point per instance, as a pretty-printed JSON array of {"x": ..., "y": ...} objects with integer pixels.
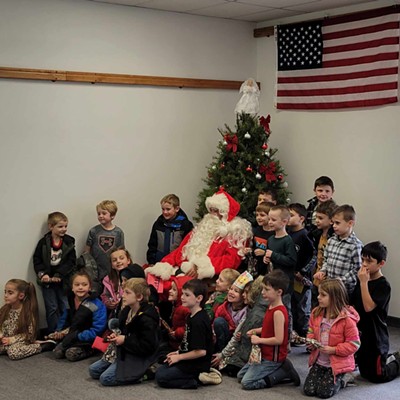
[{"x": 242, "y": 10}]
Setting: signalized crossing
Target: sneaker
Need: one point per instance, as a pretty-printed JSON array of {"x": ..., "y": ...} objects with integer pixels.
[
  {"x": 347, "y": 380},
  {"x": 76, "y": 354},
  {"x": 46, "y": 345},
  {"x": 396, "y": 356},
  {"x": 59, "y": 352},
  {"x": 291, "y": 371},
  {"x": 213, "y": 377}
]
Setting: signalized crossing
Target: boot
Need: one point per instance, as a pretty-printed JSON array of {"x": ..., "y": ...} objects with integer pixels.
[{"x": 285, "y": 373}]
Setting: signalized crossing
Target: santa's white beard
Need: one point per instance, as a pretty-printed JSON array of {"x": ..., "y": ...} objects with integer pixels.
[{"x": 209, "y": 229}]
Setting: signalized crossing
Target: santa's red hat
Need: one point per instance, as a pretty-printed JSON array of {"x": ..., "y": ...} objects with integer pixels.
[{"x": 227, "y": 206}]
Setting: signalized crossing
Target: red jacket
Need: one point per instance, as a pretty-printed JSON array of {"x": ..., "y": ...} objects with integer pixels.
[
  {"x": 179, "y": 313},
  {"x": 225, "y": 311},
  {"x": 343, "y": 335}
]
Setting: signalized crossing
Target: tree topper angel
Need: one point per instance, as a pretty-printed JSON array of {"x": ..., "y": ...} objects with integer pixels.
[{"x": 249, "y": 102}]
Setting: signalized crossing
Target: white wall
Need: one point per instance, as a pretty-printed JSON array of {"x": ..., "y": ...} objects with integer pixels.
[
  {"x": 68, "y": 146},
  {"x": 358, "y": 149}
]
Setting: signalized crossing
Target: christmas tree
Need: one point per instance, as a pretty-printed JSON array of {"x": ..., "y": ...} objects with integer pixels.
[{"x": 244, "y": 165}]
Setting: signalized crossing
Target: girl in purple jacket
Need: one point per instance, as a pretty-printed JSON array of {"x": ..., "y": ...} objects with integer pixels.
[{"x": 333, "y": 324}]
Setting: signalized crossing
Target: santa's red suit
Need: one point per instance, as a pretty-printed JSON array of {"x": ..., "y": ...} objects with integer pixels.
[{"x": 218, "y": 242}]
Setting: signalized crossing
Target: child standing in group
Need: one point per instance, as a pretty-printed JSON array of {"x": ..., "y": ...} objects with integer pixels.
[
  {"x": 319, "y": 237},
  {"x": 342, "y": 255},
  {"x": 371, "y": 298},
  {"x": 225, "y": 280},
  {"x": 137, "y": 344},
  {"x": 182, "y": 367},
  {"x": 231, "y": 311},
  {"x": 261, "y": 233},
  {"x": 169, "y": 229},
  {"x": 19, "y": 321},
  {"x": 112, "y": 283},
  {"x": 104, "y": 237},
  {"x": 267, "y": 196},
  {"x": 301, "y": 297},
  {"x": 85, "y": 319},
  {"x": 54, "y": 261},
  {"x": 323, "y": 189},
  {"x": 281, "y": 251},
  {"x": 272, "y": 337},
  {"x": 333, "y": 324}
]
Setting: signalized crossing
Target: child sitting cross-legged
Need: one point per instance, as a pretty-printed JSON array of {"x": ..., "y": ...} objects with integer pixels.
[
  {"x": 85, "y": 319},
  {"x": 272, "y": 337},
  {"x": 136, "y": 344},
  {"x": 231, "y": 312}
]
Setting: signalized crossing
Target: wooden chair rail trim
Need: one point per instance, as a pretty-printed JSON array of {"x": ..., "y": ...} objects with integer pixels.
[{"x": 121, "y": 79}]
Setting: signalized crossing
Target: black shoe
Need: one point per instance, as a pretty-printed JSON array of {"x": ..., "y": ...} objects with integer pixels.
[
  {"x": 59, "y": 352},
  {"x": 47, "y": 345},
  {"x": 291, "y": 371}
]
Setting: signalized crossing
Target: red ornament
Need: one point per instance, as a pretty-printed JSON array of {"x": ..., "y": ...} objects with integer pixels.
[
  {"x": 222, "y": 165},
  {"x": 280, "y": 177},
  {"x": 264, "y": 146},
  {"x": 249, "y": 169}
]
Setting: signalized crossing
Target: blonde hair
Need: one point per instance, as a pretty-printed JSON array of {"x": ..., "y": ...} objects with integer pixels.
[
  {"x": 172, "y": 199},
  {"x": 29, "y": 316},
  {"x": 55, "y": 217},
  {"x": 230, "y": 274},
  {"x": 284, "y": 211},
  {"x": 108, "y": 205},
  {"x": 139, "y": 286}
]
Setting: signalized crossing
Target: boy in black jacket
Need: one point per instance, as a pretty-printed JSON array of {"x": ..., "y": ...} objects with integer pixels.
[
  {"x": 169, "y": 229},
  {"x": 138, "y": 340},
  {"x": 54, "y": 261}
]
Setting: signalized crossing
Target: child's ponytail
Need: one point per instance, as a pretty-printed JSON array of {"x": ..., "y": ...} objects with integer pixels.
[{"x": 28, "y": 319}]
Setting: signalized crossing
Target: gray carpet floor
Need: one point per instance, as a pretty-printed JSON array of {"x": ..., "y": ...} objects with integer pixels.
[{"x": 43, "y": 377}]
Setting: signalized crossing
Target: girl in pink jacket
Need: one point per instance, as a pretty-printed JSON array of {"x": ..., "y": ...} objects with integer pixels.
[{"x": 333, "y": 324}]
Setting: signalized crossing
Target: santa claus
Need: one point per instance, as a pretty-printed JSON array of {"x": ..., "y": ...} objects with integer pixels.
[{"x": 218, "y": 242}]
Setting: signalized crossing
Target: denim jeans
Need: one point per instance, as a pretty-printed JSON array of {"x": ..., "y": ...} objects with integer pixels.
[
  {"x": 252, "y": 375},
  {"x": 105, "y": 372},
  {"x": 173, "y": 377},
  {"x": 221, "y": 329},
  {"x": 55, "y": 303}
]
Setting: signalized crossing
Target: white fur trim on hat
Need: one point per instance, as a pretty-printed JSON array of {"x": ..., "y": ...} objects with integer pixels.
[
  {"x": 161, "y": 269},
  {"x": 219, "y": 201}
]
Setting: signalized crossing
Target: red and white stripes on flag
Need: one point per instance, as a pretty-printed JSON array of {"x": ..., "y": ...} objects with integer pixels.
[{"x": 360, "y": 62}]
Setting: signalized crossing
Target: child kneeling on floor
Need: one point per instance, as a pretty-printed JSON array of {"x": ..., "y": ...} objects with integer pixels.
[
  {"x": 136, "y": 344},
  {"x": 183, "y": 367},
  {"x": 272, "y": 337}
]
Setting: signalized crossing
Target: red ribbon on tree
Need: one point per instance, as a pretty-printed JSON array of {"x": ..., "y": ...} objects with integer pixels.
[
  {"x": 231, "y": 142},
  {"x": 265, "y": 124},
  {"x": 269, "y": 171}
]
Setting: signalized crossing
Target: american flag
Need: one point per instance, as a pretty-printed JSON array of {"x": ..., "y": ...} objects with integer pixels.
[{"x": 340, "y": 62}]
